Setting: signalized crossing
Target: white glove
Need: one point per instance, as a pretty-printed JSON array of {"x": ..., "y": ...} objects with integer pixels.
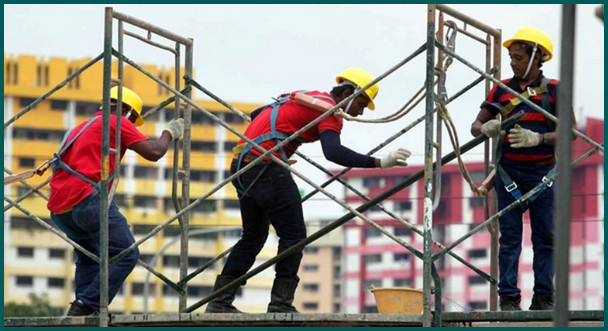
[
  {"x": 520, "y": 137},
  {"x": 395, "y": 158},
  {"x": 175, "y": 127},
  {"x": 491, "y": 128}
]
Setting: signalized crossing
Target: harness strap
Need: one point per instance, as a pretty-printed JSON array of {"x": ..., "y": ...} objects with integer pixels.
[
  {"x": 65, "y": 145},
  {"x": 509, "y": 184},
  {"x": 529, "y": 92}
]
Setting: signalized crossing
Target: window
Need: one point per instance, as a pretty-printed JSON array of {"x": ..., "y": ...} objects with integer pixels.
[
  {"x": 168, "y": 291},
  {"x": 27, "y": 162},
  {"x": 403, "y": 232},
  {"x": 144, "y": 201},
  {"x": 229, "y": 145},
  {"x": 205, "y": 206},
  {"x": 59, "y": 104},
  {"x": 7, "y": 73},
  {"x": 171, "y": 260},
  {"x": 143, "y": 228},
  {"x": 25, "y": 251},
  {"x": 402, "y": 282},
  {"x": 147, "y": 258},
  {"x": 199, "y": 291},
  {"x": 233, "y": 118},
  {"x": 232, "y": 204},
  {"x": 478, "y": 253},
  {"x": 146, "y": 172},
  {"x": 371, "y": 182},
  {"x": 476, "y": 280},
  {"x": 336, "y": 307},
  {"x": 56, "y": 253},
  {"x": 311, "y": 249},
  {"x": 373, "y": 258},
  {"x": 372, "y": 233},
  {"x": 401, "y": 257},
  {"x": 86, "y": 109},
  {"x": 477, "y": 176},
  {"x": 38, "y": 134},
  {"x": 403, "y": 205},
  {"x": 120, "y": 199},
  {"x": 475, "y": 202},
  {"x": 55, "y": 282},
  {"x": 25, "y": 281},
  {"x": 311, "y": 267},
  {"x": 206, "y": 176},
  {"x": 22, "y": 191},
  {"x": 478, "y": 305},
  {"x": 311, "y": 287},
  {"x": 24, "y": 102},
  {"x": 370, "y": 310},
  {"x": 197, "y": 261},
  {"x": 310, "y": 305}
]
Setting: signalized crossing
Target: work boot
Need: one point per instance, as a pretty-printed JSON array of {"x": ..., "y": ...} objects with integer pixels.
[
  {"x": 80, "y": 309},
  {"x": 510, "y": 303},
  {"x": 223, "y": 303},
  {"x": 281, "y": 296},
  {"x": 541, "y": 302}
]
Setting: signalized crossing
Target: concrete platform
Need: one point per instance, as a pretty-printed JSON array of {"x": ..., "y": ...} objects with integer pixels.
[{"x": 456, "y": 319}]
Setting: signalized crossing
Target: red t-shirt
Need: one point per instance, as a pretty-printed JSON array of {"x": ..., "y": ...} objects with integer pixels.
[
  {"x": 84, "y": 157},
  {"x": 292, "y": 117}
]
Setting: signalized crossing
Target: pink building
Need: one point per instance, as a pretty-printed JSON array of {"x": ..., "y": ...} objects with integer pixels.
[{"x": 371, "y": 258}]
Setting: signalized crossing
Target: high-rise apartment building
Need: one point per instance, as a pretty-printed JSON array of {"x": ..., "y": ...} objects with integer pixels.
[
  {"x": 37, "y": 261},
  {"x": 372, "y": 258}
]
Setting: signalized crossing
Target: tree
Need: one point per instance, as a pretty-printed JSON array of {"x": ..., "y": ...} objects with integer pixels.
[{"x": 39, "y": 306}]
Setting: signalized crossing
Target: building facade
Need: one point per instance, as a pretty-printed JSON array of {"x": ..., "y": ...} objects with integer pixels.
[
  {"x": 372, "y": 258},
  {"x": 37, "y": 261}
]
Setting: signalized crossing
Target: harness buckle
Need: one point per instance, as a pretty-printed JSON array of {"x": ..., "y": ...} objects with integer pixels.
[
  {"x": 546, "y": 180},
  {"x": 531, "y": 91},
  {"x": 511, "y": 187}
]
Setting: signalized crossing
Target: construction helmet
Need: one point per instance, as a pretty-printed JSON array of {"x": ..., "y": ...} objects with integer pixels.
[
  {"x": 131, "y": 99},
  {"x": 535, "y": 36},
  {"x": 361, "y": 78}
]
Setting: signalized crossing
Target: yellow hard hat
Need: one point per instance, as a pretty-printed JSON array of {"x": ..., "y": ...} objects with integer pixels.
[
  {"x": 535, "y": 36},
  {"x": 131, "y": 99},
  {"x": 361, "y": 78}
]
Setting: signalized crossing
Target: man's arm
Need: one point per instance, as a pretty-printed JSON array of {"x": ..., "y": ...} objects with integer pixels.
[
  {"x": 483, "y": 116},
  {"x": 154, "y": 149}
]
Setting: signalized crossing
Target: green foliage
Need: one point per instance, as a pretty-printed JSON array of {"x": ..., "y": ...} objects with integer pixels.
[{"x": 39, "y": 306}]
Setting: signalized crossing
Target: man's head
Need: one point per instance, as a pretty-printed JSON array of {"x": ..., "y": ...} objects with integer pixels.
[
  {"x": 131, "y": 104},
  {"x": 528, "y": 49},
  {"x": 350, "y": 81}
]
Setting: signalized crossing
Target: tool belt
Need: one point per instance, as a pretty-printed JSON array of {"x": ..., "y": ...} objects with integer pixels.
[{"x": 250, "y": 157}]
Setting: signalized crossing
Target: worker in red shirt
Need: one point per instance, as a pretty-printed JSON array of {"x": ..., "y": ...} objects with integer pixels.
[
  {"x": 75, "y": 200},
  {"x": 267, "y": 192}
]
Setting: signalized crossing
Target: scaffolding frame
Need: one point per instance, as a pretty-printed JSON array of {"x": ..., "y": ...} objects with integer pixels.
[{"x": 435, "y": 14}]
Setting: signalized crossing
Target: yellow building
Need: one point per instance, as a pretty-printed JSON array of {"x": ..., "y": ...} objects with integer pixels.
[{"x": 37, "y": 261}]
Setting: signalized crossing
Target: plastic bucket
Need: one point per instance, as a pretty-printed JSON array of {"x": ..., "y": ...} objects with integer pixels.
[{"x": 398, "y": 300}]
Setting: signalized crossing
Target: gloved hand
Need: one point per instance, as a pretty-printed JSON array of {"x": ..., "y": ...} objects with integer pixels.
[
  {"x": 395, "y": 158},
  {"x": 491, "y": 128},
  {"x": 175, "y": 127},
  {"x": 520, "y": 137}
]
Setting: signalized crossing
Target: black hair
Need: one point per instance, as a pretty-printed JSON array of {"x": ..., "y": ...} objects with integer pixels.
[
  {"x": 338, "y": 90},
  {"x": 529, "y": 48}
]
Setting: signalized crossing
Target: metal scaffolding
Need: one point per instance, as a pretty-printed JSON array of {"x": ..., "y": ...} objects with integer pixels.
[{"x": 435, "y": 103}]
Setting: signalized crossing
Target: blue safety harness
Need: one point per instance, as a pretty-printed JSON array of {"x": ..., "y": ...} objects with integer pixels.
[
  {"x": 59, "y": 164},
  {"x": 272, "y": 135},
  {"x": 510, "y": 185}
]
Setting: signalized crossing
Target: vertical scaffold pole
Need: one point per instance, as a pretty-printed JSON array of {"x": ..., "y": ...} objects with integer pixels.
[
  {"x": 564, "y": 150},
  {"x": 105, "y": 167},
  {"x": 492, "y": 201},
  {"x": 185, "y": 219},
  {"x": 428, "y": 168}
]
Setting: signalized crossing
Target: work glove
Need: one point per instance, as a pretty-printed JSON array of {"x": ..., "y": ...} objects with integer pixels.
[
  {"x": 395, "y": 158},
  {"x": 520, "y": 137},
  {"x": 175, "y": 127},
  {"x": 491, "y": 128}
]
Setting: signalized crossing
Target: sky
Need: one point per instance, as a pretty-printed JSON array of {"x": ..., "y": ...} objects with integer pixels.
[{"x": 251, "y": 53}]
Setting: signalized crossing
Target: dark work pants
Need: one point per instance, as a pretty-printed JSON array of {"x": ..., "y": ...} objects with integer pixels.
[
  {"x": 82, "y": 226},
  {"x": 273, "y": 199},
  {"x": 541, "y": 223}
]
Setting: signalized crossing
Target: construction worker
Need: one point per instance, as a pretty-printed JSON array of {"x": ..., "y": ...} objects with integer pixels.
[
  {"x": 525, "y": 157},
  {"x": 267, "y": 192},
  {"x": 75, "y": 200}
]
